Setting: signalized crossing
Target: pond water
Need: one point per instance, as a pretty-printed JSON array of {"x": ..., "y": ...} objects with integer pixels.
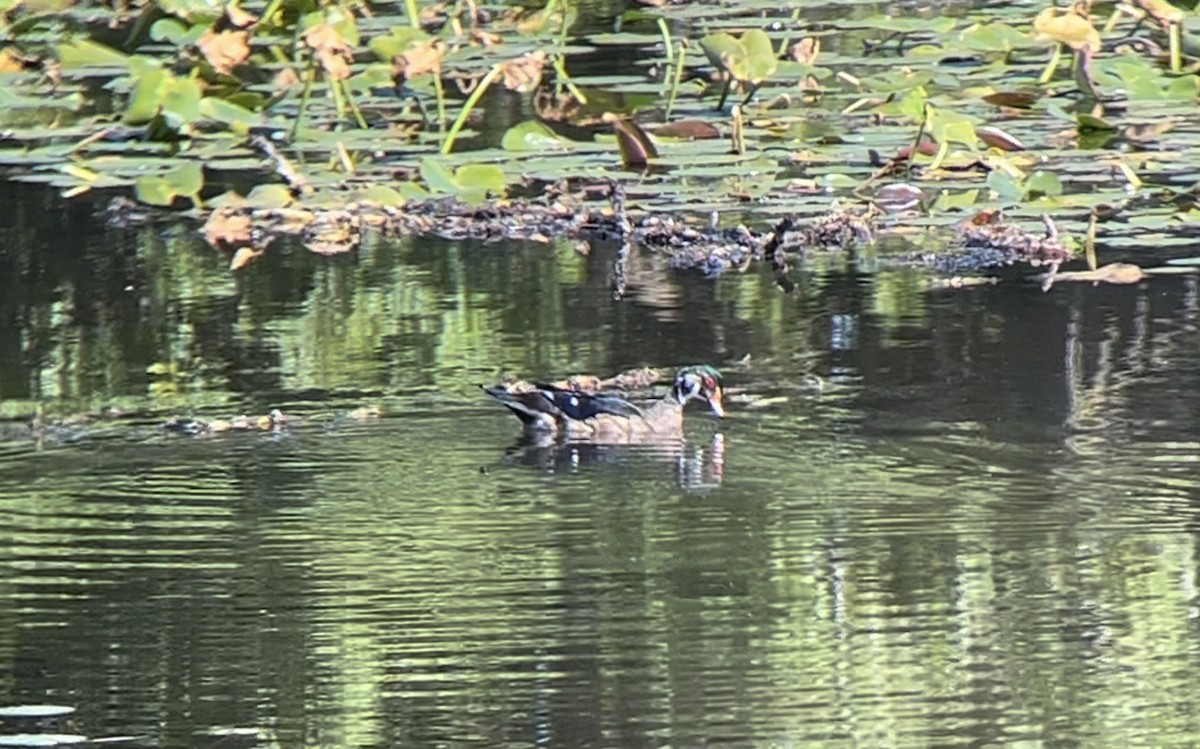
[{"x": 931, "y": 518}]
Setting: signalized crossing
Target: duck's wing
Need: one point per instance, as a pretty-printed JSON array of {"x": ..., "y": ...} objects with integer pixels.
[
  {"x": 532, "y": 407},
  {"x": 580, "y": 406}
]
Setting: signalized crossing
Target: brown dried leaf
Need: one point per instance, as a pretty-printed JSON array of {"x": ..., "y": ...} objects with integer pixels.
[
  {"x": 692, "y": 129},
  {"x": 285, "y": 79},
  {"x": 997, "y": 138},
  {"x": 634, "y": 144},
  {"x": 331, "y": 50},
  {"x": 983, "y": 218},
  {"x": 227, "y": 226},
  {"x": 289, "y": 220},
  {"x": 927, "y": 147},
  {"x": 332, "y": 233},
  {"x": 243, "y": 257},
  {"x": 485, "y": 38},
  {"x": 525, "y": 72},
  {"x": 224, "y": 50},
  {"x": 1012, "y": 99},
  {"x": 419, "y": 59}
]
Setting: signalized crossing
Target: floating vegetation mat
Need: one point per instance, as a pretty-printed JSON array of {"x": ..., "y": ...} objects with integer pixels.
[{"x": 470, "y": 120}]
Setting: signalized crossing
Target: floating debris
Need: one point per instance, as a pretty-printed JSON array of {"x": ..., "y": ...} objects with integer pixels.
[
  {"x": 712, "y": 251},
  {"x": 988, "y": 230},
  {"x": 988, "y": 241},
  {"x": 842, "y": 228}
]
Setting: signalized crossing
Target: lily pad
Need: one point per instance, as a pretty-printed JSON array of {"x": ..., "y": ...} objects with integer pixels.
[
  {"x": 750, "y": 58},
  {"x": 383, "y": 195},
  {"x": 471, "y": 182},
  {"x": 532, "y": 135},
  {"x": 84, "y": 53},
  {"x": 186, "y": 180}
]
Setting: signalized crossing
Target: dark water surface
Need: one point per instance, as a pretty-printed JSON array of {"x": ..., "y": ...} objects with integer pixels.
[{"x": 980, "y": 531}]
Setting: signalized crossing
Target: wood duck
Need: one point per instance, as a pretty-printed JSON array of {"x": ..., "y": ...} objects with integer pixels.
[
  {"x": 550, "y": 408},
  {"x": 583, "y": 415}
]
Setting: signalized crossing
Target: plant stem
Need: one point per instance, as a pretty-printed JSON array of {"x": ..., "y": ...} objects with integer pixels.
[
  {"x": 666, "y": 35},
  {"x": 916, "y": 146},
  {"x": 1048, "y": 73},
  {"x": 560, "y": 67},
  {"x": 309, "y": 77},
  {"x": 358, "y": 118},
  {"x": 470, "y": 103},
  {"x": 1174, "y": 34},
  {"x": 677, "y": 78},
  {"x": 441, "y": 98},
  {"x": 414, "y": 15}
]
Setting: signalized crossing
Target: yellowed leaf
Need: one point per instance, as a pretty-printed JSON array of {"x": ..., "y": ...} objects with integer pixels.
[
  {"x": 1161, "y": 11},
  {"x": 10, "y": 62},
  {"x": 1069, "y": 26}
]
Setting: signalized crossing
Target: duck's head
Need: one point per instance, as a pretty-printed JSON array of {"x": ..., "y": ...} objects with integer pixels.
[{"x": 700, "y": 382}]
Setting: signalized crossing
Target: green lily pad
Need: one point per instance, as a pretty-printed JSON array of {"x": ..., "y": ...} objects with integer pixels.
[
  {"x": 412, "y": 191},
  {"x": 270, "y": 196},
  {"x": 195, "y": 11},
  {"x": 750, "y": 59},
  {"x": 437, "y": 176},
  {"x": 231, "y": 114},
  {"x": 172, "y": 31},
  {"x": 532, "y": 135},
  {"x": 1005, "y": 186},
  {"x": 995, "y": 37},
  {"x": 383, "y": 195},
  {"x": 186, "y": 180},
  {"x": 84, "y": 53},
  {"x": 1085, "y": 123},
  {"x": 1043, "y": 183},
  {"x": 487, "y": 177}
]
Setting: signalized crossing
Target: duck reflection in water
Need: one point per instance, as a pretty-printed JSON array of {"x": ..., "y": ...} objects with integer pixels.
[{"x": 698, "y": 464}]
